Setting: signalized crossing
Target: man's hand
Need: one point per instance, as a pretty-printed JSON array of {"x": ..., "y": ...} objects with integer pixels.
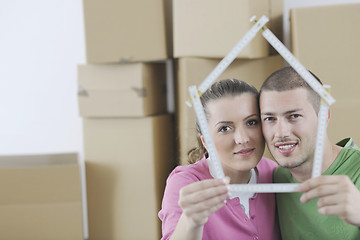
[{"x": 337, "y": 196}]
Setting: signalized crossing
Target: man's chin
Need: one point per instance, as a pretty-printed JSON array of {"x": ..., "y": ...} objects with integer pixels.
[{"x": 292, "y": 165}]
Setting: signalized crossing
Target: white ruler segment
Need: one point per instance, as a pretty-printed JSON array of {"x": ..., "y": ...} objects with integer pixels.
[
  {"x": 300, "y": 69},
  {"x": 320, "y": 137},
  {"x": 264, "y": 187},
  {"x": 202, "y": 121},
  {"x": 297, "y": 66}
]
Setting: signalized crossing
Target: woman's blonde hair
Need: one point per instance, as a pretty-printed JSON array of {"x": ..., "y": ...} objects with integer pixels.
[{"x": 220, "y": 89}]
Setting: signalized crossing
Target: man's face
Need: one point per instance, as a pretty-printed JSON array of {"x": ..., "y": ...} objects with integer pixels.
[{"x": 289, "y": 124}]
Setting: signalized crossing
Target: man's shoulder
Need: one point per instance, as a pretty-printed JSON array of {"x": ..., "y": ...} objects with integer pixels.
[
  {"x": 347, "y": 162},
  {"x": 348, "y": 143},
  {"x": 349, "y": 150}
]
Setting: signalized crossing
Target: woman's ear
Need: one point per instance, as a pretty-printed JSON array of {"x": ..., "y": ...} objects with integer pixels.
[{"x": 203, "y": 141}]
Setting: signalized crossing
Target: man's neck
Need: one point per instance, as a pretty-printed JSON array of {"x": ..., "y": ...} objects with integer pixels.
[{"x": 304, "y": 172}]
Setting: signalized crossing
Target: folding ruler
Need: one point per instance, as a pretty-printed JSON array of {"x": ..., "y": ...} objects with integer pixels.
[{"x": 327, "y": 100}]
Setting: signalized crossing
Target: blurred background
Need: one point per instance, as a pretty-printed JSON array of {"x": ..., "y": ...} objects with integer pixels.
[{"x": 92, "y": 112}]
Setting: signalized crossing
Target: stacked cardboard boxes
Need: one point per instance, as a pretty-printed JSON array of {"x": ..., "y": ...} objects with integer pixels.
[
  {"x": 128, "y": 134},
  {"x": 40, "y": 197},
  {"x": 204, "y": 32},
  {"x": 325, "y": 39}
]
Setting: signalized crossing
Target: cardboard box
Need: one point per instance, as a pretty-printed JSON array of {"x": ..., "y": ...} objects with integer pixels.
[
  {"x": 125, "y": 31},
  {"x": 276, "y": 21},
  {"x": 40, "y": 197},
  {"x": 325, "y": 39},
  {"x": 122, "y": 90},
  {"x": 168, "y": 5},
  {"x": 127, "y": 163},
  {"x": 211, "y": 28},
  {"x": 344, "y": 120},
  {"x": 193, "y": 71}
]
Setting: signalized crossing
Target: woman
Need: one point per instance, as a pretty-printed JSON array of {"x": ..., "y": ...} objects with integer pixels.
[{"x": 197, "y": 206}]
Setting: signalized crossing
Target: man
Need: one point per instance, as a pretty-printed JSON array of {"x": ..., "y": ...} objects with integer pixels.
[{"x": 329, "y": 205}]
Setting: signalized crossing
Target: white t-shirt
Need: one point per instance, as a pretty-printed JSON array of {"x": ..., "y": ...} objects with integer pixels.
[{"x": 243, "y": 196}]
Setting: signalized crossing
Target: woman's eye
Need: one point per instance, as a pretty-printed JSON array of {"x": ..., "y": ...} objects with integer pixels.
[
  {"x": 224, "y": 129},
  {"x": 252, "y": 122}
]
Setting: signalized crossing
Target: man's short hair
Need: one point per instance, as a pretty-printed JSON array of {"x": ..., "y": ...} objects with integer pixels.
[{"x": 286, "y": 79}]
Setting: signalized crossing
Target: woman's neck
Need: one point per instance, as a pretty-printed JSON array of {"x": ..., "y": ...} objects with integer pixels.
[{"x": 239, "y": 177}]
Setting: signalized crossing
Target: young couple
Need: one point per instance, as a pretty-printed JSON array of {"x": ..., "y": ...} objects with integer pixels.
[{"x": 197, "y": 206}]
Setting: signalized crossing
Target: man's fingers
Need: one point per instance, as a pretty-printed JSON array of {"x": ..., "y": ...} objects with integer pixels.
[
  {"x": 324, "y": 186},
  {"x": 318, "y": 192},
  {"x": 321, "y": 180},
  {"x": 331, "y": 200},
  {"x": 340, "y": 210}
]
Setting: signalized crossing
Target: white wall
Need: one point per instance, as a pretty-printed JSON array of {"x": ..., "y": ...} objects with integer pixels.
[{"x": 41, "y": 44}]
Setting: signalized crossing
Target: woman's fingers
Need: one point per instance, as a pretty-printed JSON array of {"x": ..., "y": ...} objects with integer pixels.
[{"x": 200, "y": 199}]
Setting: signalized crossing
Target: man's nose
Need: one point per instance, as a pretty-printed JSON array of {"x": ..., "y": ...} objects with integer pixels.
[{"x": 282, "y": 129}]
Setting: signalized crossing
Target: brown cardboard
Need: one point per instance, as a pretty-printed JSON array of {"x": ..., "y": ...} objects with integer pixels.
[
  {"x": 127, "y": 163},
  {"x": 122, "y": 90},
  {"x": 344, "y": 120},
  {"x": 193, "y": 71},
  {"x": 276, "y": 21},
  {"x": 124, "y": 31},
  {"x": 211, "y": 28},
  {"x": 40, "y": 197},
  {"x": 326, "y": 39},
  {"x": 168, "y": 5}
]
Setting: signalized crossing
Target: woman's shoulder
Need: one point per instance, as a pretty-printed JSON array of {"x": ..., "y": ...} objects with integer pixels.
[
  {"x": 267, "y": 163},
  {"x": 265, "y": 168},
  {"x": 196, "y": 171}
]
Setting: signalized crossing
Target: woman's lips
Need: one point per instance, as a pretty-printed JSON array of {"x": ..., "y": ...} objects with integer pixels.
[{"x": 245, "y": 152}]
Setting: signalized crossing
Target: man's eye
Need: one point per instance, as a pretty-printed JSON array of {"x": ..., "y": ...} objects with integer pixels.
[
  {"x": 268, "y": 119},
  {"x": 224, "y": 129},
  {"x": 252, "y": 122},
  {"x": 294, "y": 116}
]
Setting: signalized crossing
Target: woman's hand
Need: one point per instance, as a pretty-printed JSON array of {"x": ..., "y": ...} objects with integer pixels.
[{"x": 200, "y": 199}]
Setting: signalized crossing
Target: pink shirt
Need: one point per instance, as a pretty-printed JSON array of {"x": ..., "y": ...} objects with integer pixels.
[{"x": 229, "y": 222}]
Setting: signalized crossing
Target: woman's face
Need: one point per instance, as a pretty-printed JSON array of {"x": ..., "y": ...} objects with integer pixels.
[{"x": 235, "y": 128}]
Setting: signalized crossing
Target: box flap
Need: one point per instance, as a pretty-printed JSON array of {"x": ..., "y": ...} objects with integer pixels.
[
  {"x": 41, "y": 160},
  {"x": 110, "y": 77}
]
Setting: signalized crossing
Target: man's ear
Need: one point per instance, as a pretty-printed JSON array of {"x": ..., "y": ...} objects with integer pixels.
[
  {"x": 203, "y": 141},
  {"x": 328, "y": 119}
]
